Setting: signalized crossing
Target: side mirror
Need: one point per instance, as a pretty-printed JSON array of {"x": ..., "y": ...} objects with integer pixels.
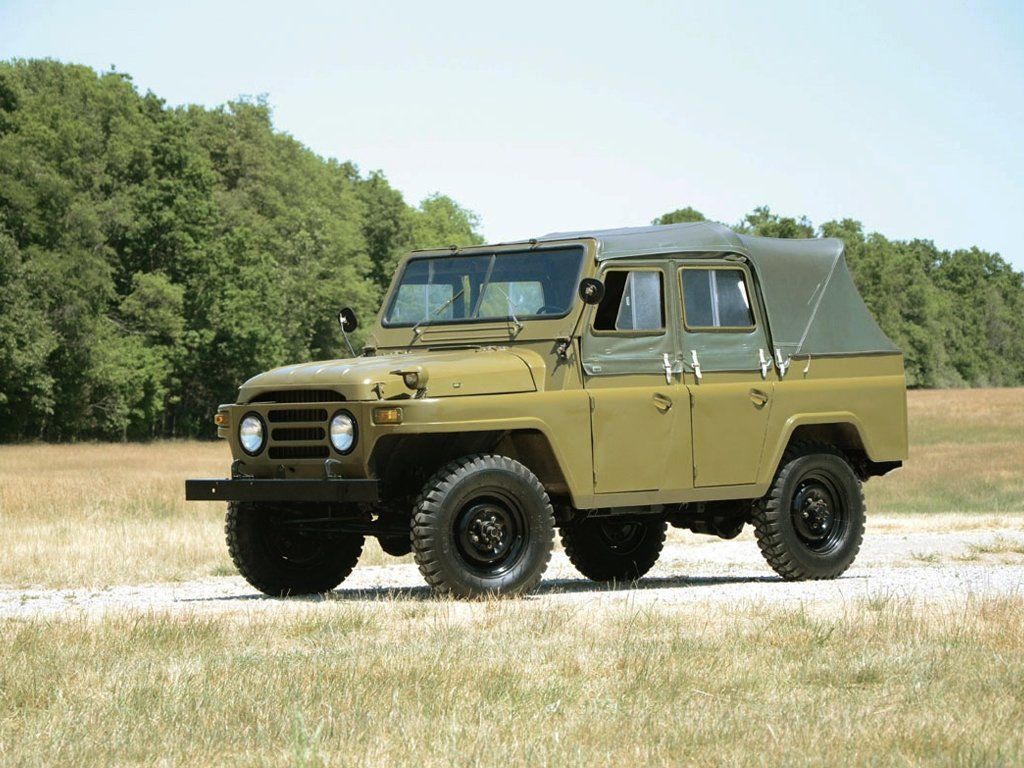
[
  {"x": 591, "y": 290},
  {"x": 347, "y": 320}
]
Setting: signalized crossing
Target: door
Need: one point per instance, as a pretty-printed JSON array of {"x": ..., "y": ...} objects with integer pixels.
[
  {"x": 724, "y": 342},
  {"x": 639, "y": 408}
]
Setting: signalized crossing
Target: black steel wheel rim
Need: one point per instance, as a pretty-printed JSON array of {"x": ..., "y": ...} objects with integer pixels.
[
  {"x": 819, "y": 513},
  {"x": 288, "y": 542},
  {"x": 491, "y": 533},
  {"x": 622, "y": 537}
]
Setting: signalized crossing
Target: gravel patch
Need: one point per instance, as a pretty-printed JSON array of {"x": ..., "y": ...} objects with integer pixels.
[{"x": 925, "y": 566}]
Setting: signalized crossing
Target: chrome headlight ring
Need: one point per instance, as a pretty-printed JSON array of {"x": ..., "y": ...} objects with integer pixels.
[
  {"x": 252, "y": 434},
  {"x": 344, "y": 432}
]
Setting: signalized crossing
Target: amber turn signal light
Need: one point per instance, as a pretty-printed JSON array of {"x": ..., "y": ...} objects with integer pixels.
[
  {"x": 221, "y": 419},
  {"x": 387, "y": 415}
]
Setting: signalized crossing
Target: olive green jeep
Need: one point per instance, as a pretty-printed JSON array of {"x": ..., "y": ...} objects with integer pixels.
[{"x": 607, "y": 384}]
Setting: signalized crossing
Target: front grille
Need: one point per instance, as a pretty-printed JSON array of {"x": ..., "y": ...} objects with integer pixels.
[
  {"x": 297, "y": 414},
  {"x": 299, "y": 396},
  {"x": 304, "y": 434},
  {"x": 299, "y": 452},
  {"x": 298, "y": 431}
]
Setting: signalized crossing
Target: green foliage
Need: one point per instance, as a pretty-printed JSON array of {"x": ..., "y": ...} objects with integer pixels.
[
  {"x": 680, "y": 216},
  {"x": 152, "y": 259}
]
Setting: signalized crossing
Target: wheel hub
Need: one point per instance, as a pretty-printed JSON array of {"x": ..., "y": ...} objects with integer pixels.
[
  {"x": 816, "y": 515},
  {"x": 487, "y": 534},
  {"x": 622, "y": 537}
]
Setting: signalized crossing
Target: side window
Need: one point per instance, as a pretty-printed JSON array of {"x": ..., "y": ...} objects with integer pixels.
[
  {"x": 716, "y": 298},
  {"x": 633, "y": 301}
]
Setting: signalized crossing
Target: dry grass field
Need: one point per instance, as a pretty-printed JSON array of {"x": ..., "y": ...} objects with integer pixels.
[
  {"x": 400, "y": 679},
  {"x": 520, "y": 684}
]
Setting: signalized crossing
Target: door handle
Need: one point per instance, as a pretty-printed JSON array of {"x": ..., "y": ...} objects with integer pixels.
[
  {"x": 758, "y": 398},
  {"x": 662, "y": 402}
]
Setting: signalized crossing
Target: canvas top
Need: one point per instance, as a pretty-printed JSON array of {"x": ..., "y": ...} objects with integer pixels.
[{"x": 812, "y": 304}]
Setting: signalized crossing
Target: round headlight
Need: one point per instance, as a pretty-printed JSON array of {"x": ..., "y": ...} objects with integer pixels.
[
  {"x": 250, "y": 434},
  {"x": 343, "y": 432}
]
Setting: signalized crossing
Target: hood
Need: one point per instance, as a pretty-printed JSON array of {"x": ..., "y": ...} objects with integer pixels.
[{"x": 450, "y": 374}]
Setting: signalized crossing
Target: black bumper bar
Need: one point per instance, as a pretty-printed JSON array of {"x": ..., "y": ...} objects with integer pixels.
[{"x": 282, "y": 490}]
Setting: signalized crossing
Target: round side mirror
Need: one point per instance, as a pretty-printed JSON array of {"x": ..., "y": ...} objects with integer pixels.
[
  {"x": 591, "y": 290},
  {"x": 347, "y": 320}
]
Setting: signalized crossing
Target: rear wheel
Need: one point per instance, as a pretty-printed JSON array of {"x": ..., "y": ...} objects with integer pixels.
[
  {"x": 605, "y": 549},
  {"x": 811, "y": 523},
  {"x": 279, "y": 559},
  {"x": 483, "y": 525}
]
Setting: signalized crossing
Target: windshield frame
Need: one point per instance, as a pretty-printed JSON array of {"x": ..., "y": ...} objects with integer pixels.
[{"x": 501, "y": 252}]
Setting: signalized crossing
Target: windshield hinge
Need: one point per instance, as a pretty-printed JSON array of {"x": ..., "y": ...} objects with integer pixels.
[{"x": 562, "y": 344}]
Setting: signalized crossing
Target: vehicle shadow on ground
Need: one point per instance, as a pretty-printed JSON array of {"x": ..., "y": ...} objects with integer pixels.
[{"x": 549, "y": 587}]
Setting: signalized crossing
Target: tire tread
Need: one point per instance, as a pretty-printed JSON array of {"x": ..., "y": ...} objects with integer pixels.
[
  {"x": 427, "y": 510},
  {"x": 270, "y": 578},
  {"x": 766, "y": 513}
]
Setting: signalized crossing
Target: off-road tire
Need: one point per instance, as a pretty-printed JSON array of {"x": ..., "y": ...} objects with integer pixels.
[
  {"x": 601, "y": 553},
  {"x": 790, "y": 548},
  {"x": 256, "y": 549},
  {"x": 483, "y": 495}
]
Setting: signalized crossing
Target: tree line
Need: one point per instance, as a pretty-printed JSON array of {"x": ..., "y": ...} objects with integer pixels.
[{"x": 154, "y": 257}]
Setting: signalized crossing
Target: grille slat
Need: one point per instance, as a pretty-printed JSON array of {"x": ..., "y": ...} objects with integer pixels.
[
  {"x": 312, "y": 415},
  {"x": 302, "y": 434}
]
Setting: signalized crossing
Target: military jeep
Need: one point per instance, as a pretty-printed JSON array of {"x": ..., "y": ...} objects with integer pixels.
[{"x": 606, "y": 384}]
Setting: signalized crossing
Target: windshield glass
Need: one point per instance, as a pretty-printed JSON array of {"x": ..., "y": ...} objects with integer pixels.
[{"x": 453, "y": 289}]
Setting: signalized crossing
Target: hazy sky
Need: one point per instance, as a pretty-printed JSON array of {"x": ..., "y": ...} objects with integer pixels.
[{"x": 552, "y": 116}]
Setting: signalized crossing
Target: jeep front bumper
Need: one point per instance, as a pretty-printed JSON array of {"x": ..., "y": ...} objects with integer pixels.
[{"x": 252, "y": 489}]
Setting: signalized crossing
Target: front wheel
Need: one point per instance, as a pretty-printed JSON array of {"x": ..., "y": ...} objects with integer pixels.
[
  {"x": 279, "y": 559},
  {"x": 483, "y": 525},
  {"x": 811, "y": 523}
]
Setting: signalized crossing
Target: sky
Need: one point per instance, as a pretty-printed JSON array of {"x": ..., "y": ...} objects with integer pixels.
[{"x": 546, "y": 116}]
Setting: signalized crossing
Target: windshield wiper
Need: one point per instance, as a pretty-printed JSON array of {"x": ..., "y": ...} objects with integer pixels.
[
  {"x": 513, "y": 305},
  {"x": 429, "y": 319}
]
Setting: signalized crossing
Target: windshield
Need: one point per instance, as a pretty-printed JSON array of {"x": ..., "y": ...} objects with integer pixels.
[{"x": 518, "y": 284}]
